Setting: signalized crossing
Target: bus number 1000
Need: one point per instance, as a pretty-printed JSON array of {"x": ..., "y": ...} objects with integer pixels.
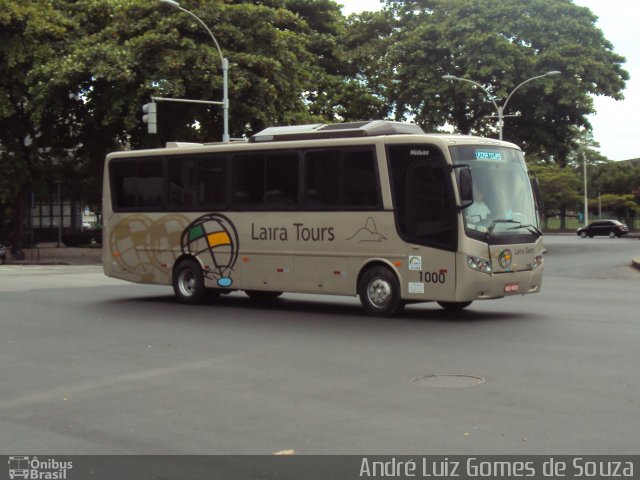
[{"x": 433, "y": 277}]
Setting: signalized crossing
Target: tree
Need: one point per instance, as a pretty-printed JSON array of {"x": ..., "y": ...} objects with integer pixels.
[
  {"x": 621, "y": 206},
  {"x": 616, "y": 178},
  {"x": 76, "y": 73},
  {"x": 361, "y": 91},
  {"x": 559, "y": 188},
  {"x": 499, "y": 45},
  {"x": 31, "y": 32}
]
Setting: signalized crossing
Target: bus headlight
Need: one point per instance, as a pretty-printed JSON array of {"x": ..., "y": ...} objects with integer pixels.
[
  {"x": 480, "y": 264},
  {"x": 537, "y": 261}
]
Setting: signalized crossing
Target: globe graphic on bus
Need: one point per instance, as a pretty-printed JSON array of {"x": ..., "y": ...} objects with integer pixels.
[{"x": 214, "y": 235}]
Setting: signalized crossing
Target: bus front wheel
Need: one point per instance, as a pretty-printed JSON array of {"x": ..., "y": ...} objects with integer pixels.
[
  {"x": 379, "y": 292},
  {"x": 454, "y": 306},
  {"x": 188, "y": 282}
]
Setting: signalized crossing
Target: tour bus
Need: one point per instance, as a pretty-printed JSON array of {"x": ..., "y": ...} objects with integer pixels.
[{"x": 378, "y": 210}]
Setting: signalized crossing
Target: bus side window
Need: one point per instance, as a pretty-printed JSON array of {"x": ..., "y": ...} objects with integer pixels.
[
  {"x": 197, "y": 183},
  {"x": 150, "y": 184},
  {"x": 423, "y": 199},
  {"x": 341, "y": 179},
  {"x": 123, "y": 181},
  {"x": 138, "y": 185},
  {"x": 359, "y": 186},
  {"x": 249, "y": 180},
  {"x": 322, "y": 179},
  {"x": 281, "y": 180}
]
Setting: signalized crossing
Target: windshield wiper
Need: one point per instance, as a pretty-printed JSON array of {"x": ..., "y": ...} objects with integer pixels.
[{"x": 532, "y": 228}]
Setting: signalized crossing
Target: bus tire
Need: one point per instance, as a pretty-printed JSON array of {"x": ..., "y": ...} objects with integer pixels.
[
  {"x": 262, "y": 295},
  {"x": 188, "y": 282},
  {"x": 379, "y": 292},
  {"x": 454, "y": 306}
]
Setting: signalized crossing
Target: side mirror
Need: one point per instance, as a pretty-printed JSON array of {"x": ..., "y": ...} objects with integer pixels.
[
  {"x": 465, "y": 185},
  {"x": 537, "y": 195}
]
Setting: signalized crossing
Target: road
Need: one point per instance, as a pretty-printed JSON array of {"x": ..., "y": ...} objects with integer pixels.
[{"x": 92, "y": 365}]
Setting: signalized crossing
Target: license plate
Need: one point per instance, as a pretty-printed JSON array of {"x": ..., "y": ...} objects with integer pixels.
[{"x": 511, "y": 288}]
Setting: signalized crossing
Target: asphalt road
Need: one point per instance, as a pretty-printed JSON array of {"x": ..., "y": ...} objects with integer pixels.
[{"x": 91, "y": 365}]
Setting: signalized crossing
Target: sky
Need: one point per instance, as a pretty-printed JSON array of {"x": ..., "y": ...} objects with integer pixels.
[{"x": 616, "y": 125}]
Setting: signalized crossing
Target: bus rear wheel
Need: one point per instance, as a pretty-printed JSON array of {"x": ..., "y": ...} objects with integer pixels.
[
  {"x": 379, "y": 292},
  {"x": 454, "y": 306},
  {"x": 188, "y": 282}
]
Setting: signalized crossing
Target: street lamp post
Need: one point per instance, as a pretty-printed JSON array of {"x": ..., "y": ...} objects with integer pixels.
[
  {"x": 586, "y": 199},
  {"x": 500, "y": 108},
  {"x": 225, "y": 69}
]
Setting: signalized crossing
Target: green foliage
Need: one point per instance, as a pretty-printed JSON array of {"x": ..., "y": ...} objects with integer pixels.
[
  {"x": 613, "y": 178},
  {"x": 499, "y": 45},
  {"x": 622, "y": 206},
  {"x": 559, "y": 188},
  {"x": 74, "y": 74}
]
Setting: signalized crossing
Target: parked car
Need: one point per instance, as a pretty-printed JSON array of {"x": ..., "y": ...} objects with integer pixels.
[
  {"x": 3, "y": 254},
  {"x": 610, "y": 228}
]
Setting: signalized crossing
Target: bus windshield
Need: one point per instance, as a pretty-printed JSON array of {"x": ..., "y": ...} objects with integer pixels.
[{"x": 503, "y": 203}]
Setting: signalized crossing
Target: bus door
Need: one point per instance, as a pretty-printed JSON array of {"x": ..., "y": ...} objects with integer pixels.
[{"x": 426, "y": 219}]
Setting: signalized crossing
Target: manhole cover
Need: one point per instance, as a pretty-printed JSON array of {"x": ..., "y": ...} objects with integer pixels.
[{"x": 447, "y": 380}]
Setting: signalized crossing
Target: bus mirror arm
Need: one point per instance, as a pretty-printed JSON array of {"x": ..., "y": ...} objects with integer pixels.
[{"x": 465, "y": 185}]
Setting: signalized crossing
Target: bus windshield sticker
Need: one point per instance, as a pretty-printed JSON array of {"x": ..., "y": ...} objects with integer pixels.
[
  {"x": 415, "y": 263},
  {"x": 213, "y": 233}
]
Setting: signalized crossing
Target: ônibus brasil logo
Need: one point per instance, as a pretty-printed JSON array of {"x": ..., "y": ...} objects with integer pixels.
[{"x": 38, "y": 469}]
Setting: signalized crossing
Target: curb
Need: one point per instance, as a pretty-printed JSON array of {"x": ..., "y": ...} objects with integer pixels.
[
  {"x": 635, "y": 262},
  {"x": 59, "y": 256}
]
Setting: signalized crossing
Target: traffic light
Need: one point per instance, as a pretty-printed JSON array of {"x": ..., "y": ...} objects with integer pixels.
[{"x": 150, "y": 117}]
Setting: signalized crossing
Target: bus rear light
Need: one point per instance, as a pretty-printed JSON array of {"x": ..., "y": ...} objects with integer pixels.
[{"x": 480, "y": 264}]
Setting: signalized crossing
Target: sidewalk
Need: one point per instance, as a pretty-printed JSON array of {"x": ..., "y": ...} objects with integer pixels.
[{"x": 59, "y": 256}]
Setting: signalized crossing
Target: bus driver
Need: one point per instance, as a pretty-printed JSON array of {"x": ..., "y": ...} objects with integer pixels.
[{"x": 478, "y": 210}]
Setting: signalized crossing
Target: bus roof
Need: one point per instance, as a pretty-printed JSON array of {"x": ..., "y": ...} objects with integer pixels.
[
  {"x": 372, "y": 128},
  {"x": 357, "y": 131}
]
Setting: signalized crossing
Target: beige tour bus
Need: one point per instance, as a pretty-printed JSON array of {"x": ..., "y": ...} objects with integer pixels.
[{"x": 376, "y": 209}]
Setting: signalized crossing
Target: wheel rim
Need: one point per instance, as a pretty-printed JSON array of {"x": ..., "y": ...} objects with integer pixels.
[
  {"x": 187, "y": 283},
  {"x": 379, "y": 292}
]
